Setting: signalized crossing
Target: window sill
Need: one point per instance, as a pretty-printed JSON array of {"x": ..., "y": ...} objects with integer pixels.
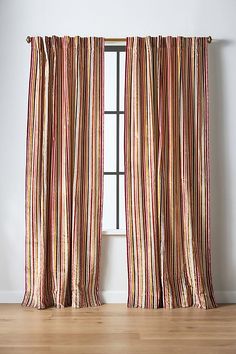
[{"x": 116, "y": 232}]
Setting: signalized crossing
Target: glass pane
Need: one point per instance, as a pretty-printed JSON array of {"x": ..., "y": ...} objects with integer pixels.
[
  {"x": 122, "y": 203},
  {"x": 122, "y": 80},
  {"x": 109, "y": 203},
  {"x": 110, "y": 81},
  {"x": 121, "y": 143},
  {"x": 110, "y": 143}
]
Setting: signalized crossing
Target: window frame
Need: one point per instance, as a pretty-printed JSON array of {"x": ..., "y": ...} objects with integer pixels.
[{"x": 117, "y": 112}]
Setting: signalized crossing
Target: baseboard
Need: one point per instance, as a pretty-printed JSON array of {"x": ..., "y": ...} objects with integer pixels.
[
  {"x": 114, "y": 297},
  {"x": 225, "y": 297},
  {"x": 11, "y": 297},
  {"x": 108, "y": 297}
]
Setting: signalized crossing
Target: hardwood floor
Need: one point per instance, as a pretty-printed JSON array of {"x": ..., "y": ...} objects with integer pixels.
[{"x": 116, "y": 329}]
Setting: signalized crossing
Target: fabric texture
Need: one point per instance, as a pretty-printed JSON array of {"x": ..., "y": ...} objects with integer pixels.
[
  {"x": 64, "y": 172},
  {"x": 167, "y": 173}
]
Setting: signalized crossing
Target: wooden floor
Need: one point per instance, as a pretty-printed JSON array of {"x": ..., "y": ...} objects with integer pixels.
[{"x": 116, "y": 329}]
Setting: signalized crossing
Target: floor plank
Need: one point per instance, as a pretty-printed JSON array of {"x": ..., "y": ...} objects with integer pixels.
[{"x": 116, "y": 329}]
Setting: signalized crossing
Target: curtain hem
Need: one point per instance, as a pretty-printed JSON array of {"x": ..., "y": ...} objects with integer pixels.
[{"x": 79, "y": 300}]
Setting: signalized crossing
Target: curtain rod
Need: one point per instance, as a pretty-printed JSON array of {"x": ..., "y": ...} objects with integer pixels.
[{"x": 28, "y": 39}]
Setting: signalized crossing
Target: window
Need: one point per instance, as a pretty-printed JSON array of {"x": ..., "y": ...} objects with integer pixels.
[{"x": 114, "y": 194}]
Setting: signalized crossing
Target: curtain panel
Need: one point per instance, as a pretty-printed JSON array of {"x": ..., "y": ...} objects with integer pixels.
[
  {"x": 167, "y": 173},
  {"x": 64, "y": 172}
]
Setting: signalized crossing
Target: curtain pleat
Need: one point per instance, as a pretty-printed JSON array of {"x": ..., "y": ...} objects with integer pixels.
[
  {"x": 64, "y": 172},
  {"x": 167, "y": 173}
]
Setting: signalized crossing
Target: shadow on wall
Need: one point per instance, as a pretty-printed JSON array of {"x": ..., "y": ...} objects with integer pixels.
[{"x": 222, "y": 262}]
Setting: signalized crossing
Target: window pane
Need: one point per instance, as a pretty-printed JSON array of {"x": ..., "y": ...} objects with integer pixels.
[
  {"x": 122, "y": 80},
  {"x": 109, "y": 203},
  {"x": 121, "y": 143},
  {"x": 109, "y": 143},
  {"x": 122, "y": 203},
  {"x": 110, "y": 81}
]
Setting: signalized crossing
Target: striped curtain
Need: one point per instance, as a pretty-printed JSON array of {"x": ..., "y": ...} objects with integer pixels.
[
  {"x": 167, "y": 173},
  {"x": 64, "y": 172}
]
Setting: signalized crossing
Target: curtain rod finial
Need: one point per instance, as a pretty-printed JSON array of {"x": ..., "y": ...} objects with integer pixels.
[
  {"x": 28, "y": 39},
  {"x": 209, "y": 39}
]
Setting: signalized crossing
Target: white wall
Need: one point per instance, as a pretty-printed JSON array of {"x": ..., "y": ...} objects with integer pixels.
[{"x": 116, "y": 19}]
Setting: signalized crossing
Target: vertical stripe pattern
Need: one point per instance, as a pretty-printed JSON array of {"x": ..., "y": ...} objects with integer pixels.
[
  {"x": 64, "y": 172},
  {"x": 167, "y": 173}
]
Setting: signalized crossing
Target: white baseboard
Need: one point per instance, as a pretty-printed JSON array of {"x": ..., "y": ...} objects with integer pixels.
[
  {"x": 108, "y": 297},
  {"x": 225, "y": 297},
  {"x": 114, "y": 297},
  {"x": 11, "y": 297}
]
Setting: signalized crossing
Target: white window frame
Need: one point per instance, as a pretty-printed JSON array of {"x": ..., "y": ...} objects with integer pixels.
[{"x": 117, "y": 231}]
